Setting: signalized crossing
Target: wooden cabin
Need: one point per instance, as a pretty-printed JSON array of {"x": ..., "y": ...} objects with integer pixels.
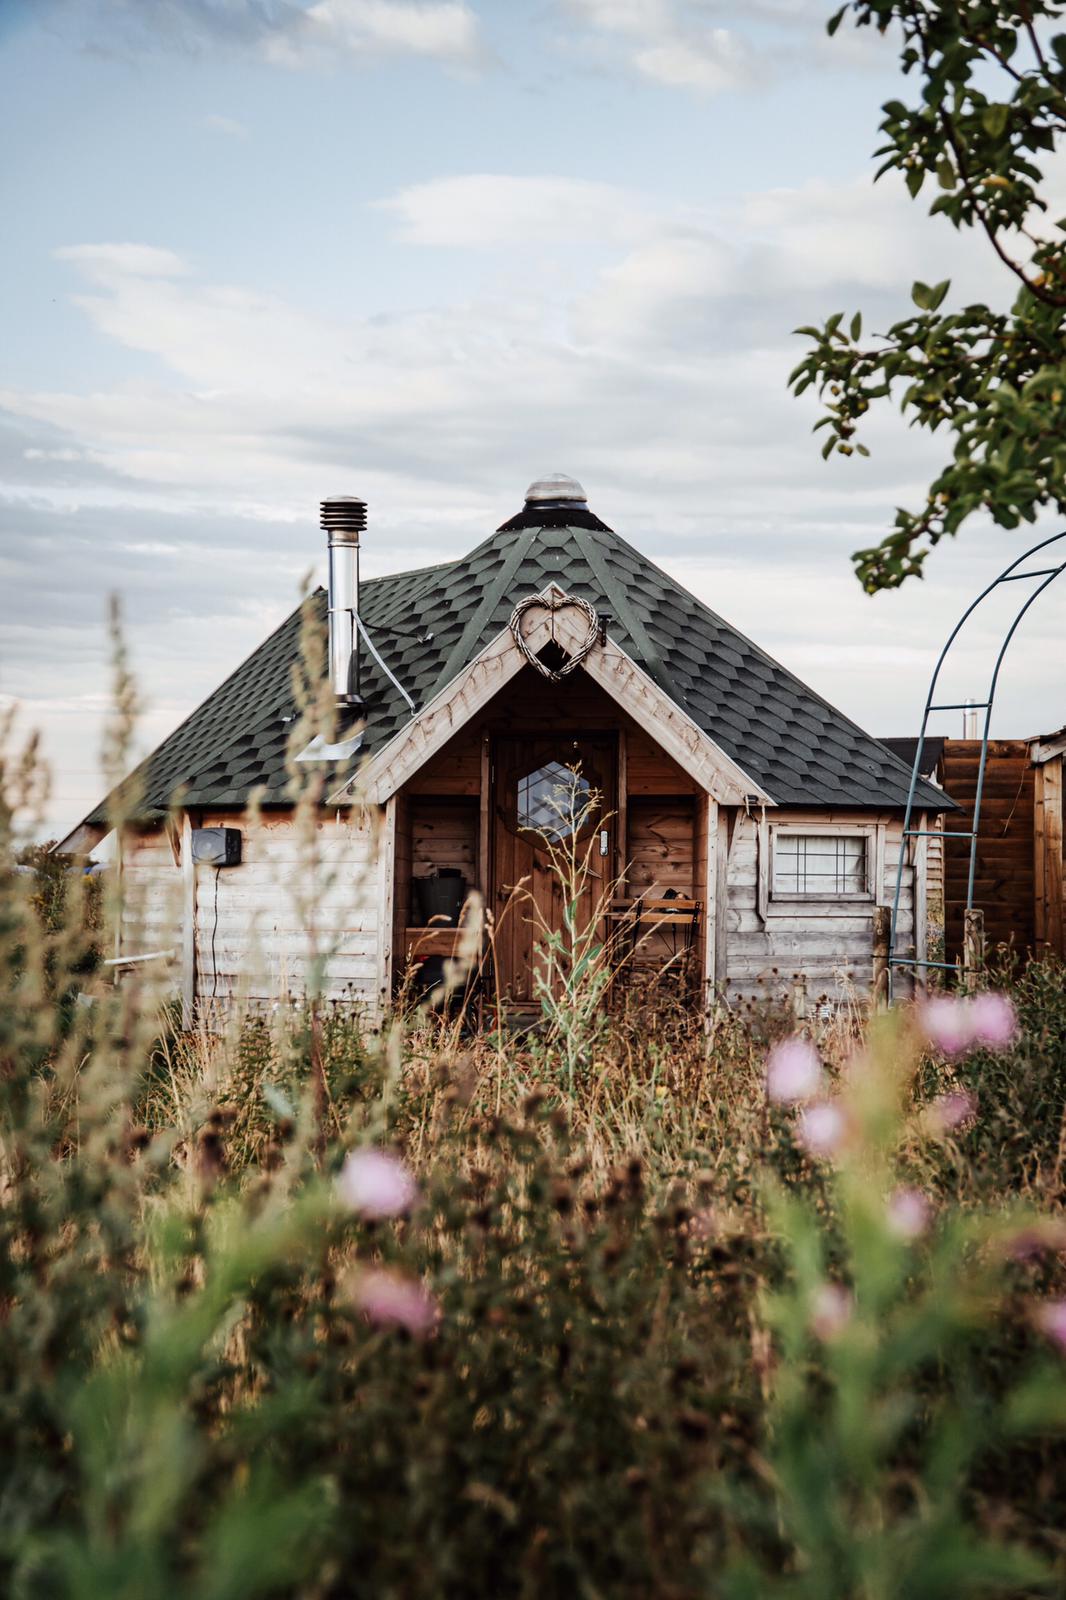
[{"x": 552, "y": 688}]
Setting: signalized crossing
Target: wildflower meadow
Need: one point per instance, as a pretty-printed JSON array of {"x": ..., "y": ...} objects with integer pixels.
[{"x": 634, "y": 1307}]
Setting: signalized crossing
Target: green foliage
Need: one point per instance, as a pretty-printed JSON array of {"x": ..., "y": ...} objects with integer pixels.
[
  {"x": 630, "y": 1387},
  {"x": 988, "y": 110}
]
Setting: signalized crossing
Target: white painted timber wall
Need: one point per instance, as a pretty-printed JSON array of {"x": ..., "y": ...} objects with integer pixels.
[
  {"x": 829, "y": 943},
  {"x": 151, "y": 903},
  {"x": 259, "y": 926}
]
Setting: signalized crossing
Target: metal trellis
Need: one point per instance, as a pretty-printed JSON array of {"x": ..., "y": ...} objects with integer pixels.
[{"x": 1010, "y": 574}]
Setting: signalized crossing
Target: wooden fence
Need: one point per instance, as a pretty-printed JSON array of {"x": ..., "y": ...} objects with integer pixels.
[{"x": 1004, "y": 884}]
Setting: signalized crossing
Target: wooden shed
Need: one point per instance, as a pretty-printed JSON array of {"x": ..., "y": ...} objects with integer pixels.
[{"x": 553, "y": 683}]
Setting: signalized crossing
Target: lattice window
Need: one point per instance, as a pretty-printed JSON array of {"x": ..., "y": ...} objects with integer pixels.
[
  {"x": 818, "y": 866},
  {"x": 553, "y": 801}
]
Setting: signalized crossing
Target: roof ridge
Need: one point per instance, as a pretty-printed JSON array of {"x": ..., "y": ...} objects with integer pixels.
[
  {"x": 618, "y": 598},
  {"x": 459, "y": 654}
]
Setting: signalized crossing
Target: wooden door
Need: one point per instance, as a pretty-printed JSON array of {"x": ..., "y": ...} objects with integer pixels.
[{"x": 553, "y": 798}]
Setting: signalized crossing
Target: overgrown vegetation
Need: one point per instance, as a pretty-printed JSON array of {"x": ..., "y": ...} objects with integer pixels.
[{"x": 288, "y": 1310}]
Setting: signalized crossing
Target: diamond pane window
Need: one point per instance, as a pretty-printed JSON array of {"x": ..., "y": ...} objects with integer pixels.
[
  {"x": 553, "y": 801},
  {"x": 820, "y": 864}
]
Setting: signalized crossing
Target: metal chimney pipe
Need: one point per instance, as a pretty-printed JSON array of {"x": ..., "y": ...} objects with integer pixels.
[
  {"x": 343, "y": 520},
  {"x": 969, "y": 720}
]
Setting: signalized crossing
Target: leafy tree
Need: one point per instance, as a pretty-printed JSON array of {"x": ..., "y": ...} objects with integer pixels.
[{"x": 989, "y": 108}]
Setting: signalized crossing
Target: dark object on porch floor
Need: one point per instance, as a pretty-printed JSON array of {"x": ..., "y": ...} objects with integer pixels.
[{"x": 440, "y": 898}]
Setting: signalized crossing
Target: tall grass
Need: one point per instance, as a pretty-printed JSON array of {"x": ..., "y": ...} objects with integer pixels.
[{"x": 628, "y": 1335}]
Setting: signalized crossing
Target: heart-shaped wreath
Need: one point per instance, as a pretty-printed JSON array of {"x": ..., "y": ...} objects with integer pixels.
[{"x": 551, "y": 603}]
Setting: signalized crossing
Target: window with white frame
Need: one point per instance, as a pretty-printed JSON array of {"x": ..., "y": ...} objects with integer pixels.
[{"x": 821, "y": 866}]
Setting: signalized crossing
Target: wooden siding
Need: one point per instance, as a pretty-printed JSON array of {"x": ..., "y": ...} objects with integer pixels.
[
  {"x": 152, "y": 902},
  {"x": 290, "y": 898},
  {"x": 830, "y": 943},
  {"x": 662, "y": 859},
  {"x": 1003, "y": 887},
  {"x": 1049, "y": 929},
  {"x": 258, "y": 945}
]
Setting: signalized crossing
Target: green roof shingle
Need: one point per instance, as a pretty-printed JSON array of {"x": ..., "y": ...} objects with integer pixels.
[{"x": 798, "y": 747}]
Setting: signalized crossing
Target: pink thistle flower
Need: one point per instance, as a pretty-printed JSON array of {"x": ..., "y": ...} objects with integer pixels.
[
  {"x": 952, "y": 1110},
  {"x": 389, "y": 1300},
  {"x": 1050, "y": 1318},
  {"x": 793, "y": 1072},
  {"x": 821, "y": 1128},
  {"x": 947, "y": 1025},
  {"x": 993, "y": 1021},
  {"x": 831, "y": 1307},
  {"x": 376, "y": 1185},
  {"x": 908, "y": 1214}
]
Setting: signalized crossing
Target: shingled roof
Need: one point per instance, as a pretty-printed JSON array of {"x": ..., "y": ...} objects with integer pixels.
[{"x": 431, "y": 623}]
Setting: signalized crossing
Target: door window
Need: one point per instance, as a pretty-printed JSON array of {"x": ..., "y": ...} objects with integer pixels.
[{"x": 554, "y": 801}]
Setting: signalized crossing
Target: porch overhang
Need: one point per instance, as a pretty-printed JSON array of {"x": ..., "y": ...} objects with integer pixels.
[{"x": 607, "y": 664}]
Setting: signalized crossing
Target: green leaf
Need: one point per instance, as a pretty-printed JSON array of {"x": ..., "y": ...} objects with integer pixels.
[
  {"x": 994, "y": 120},
  {"x": 915, "y": 179},
  {"x": 945, "y": 174},
  {"x": 835, "y": 20},
  {"x": 927, "y": 297},
  {"x": 856, "y": 326}
]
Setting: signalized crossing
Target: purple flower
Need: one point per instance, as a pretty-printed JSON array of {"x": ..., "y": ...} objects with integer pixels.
[
  {"x": 376, "y": 1185},
  {"x": 1050, "y": 1318},
  {"x": 793, "y": 1072},
  {"x": 947, "y": 1025},
  {"x": 831, "y": 1306},
  {"x": 955, "y": 1026},
  {"x": 908, "y": 1213},
  {"x": 993, "y": 1021},
  {"x": 389, "y": 1300},
  {"x": 821, "y": 1128},
  {"x": 952, "y": 1110}
]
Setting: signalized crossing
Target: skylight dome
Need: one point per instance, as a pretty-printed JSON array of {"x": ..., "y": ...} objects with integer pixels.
[{"x": 556, "y": 489}]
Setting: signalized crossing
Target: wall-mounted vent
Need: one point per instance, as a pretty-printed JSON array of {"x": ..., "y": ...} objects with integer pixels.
[{"x": 216, "y": 847}]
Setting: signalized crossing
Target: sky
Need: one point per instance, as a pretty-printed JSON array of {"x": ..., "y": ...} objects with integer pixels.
[{"x": 258, "y": 252}]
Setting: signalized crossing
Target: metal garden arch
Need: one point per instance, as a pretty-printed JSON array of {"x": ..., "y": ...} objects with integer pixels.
[{"x": 1010, "y": 574}]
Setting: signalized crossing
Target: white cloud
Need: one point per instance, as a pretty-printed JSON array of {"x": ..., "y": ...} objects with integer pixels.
[
  {"x": 106, "y": 262},
  {"x": 656, "y": 376},
  {"x": 226, "y": 125},
  {"x": 485, "y": 209},
  {"x": 292, "y": 33},
  {"x": 710, "y": 64},
  {"x": 672, "y": 42},
  {"x": 446, "y": 30},
  {"x": 711, "y": 46}
]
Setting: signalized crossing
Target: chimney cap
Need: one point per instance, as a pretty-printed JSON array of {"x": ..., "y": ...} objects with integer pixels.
[
  {"x": 343, "y": 517},
  {"x": 556, "y": 489}
]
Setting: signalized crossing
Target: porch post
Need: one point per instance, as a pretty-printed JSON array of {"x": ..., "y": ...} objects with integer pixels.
[
  {"x": 709, "y": 857},
  {"x": 188, "y": 925},
  {"x": 386, "y": 864}
]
